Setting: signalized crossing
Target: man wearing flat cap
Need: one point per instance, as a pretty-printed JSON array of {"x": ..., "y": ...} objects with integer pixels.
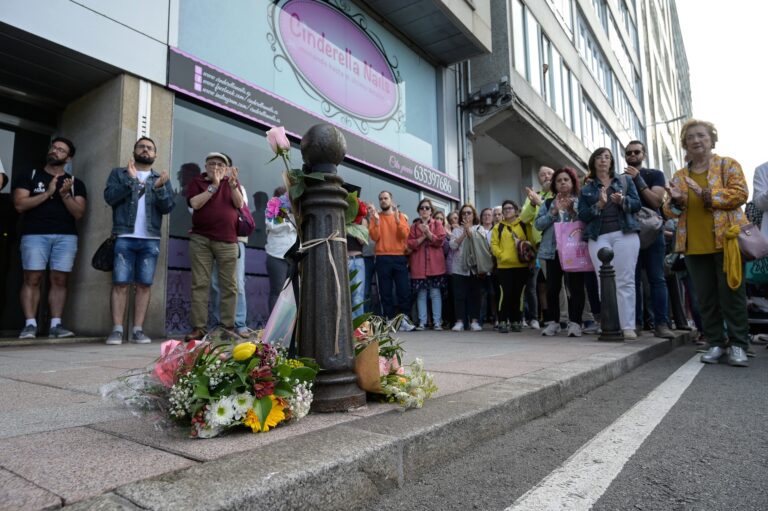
[{"x": 215, "y": 199}]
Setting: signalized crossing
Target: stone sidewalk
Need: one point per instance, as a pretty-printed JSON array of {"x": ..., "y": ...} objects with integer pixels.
[{"x": 61, "y": 444}]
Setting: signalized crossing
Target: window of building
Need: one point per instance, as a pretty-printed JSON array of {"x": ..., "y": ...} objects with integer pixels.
[
  {"x": 601, "y": 12},
  {"x": 535, "y": 73},
  {"x": 563, "y": 12},
  {"x": 518, "y": 35},
  {"x": 593, "y": 57}
]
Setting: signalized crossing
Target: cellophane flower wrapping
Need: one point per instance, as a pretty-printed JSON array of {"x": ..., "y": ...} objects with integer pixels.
[{"x": 211, "y": 388}]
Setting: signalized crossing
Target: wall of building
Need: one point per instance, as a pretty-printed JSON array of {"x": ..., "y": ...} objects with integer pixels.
[{"x": 130, "y": 36}]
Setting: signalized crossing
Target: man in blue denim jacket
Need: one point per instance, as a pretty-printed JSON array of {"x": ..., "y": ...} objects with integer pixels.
[{"x": 139, "y": 197}]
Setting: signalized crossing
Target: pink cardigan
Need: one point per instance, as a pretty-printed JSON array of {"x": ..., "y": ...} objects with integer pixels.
[{"x": 427, "y": 258}]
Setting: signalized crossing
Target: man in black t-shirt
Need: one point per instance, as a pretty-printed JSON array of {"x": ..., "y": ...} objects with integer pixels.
[
  {"x": 50, "y": 202},
  {"x": 650, "y": 186}
]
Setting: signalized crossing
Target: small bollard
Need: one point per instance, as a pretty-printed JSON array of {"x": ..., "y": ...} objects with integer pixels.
[
  {"x": 325, "y": 322},
  {"x": 609, "y": 308}
]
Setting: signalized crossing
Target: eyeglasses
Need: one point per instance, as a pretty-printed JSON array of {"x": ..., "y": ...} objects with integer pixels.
[
  {"x": 465, "y": 213},
  {"x": 424, "y": 208},
  {"x": 633, "y": 153},
  {"x": 60, "y": 150},
  {"x": 215, "y": 164},
  {"x": 508, "y": 208},
  {"x": 145, "y": 146},
  {"x": 604, "y": 156}
]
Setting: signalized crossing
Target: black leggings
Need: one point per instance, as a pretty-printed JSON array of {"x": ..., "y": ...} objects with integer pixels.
[
  {"x": 512, "y": 282},
  {"x": 575, "y": 284}
]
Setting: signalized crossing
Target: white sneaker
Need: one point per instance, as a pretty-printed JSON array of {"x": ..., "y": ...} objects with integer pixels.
[
  {"x": 574, "y": 330},
  {"x": 534, "y": 324},
  {"x": 524, "y": 324},
  {"x": 458, "y": 327},
  {"x": 406, "y": 325},
  {"x": 630, "y": 334},
  {"x": 475, "y": 326},
  {"x": 552, "y": 329}
]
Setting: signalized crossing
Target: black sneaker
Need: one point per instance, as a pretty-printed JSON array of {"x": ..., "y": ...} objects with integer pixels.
[
  {"x": 58, "y": 331},
  {"x": 503, "y": 327},
  {"x": 29, "y": 332}
]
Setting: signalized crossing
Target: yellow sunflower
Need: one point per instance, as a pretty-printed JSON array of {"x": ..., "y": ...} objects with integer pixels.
[{"x": 275, "y": 417}]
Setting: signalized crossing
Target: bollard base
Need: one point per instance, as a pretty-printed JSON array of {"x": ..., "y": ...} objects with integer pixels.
[
  {"x": 611, "y": 337},
  {"x": 335, "y": 392}
]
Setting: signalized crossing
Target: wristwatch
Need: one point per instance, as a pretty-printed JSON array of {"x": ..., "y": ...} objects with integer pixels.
[{"x": 212, "y": 189}]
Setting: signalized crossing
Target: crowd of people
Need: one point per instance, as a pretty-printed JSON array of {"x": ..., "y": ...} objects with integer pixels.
[{"x": 504, "y": 266}]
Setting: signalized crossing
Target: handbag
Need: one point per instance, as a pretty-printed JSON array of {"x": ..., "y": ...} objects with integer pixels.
[
  {"x": 104, "y": 258},
  {"x": 756, "y": 272},
  {"x": 572, "y": 249},
  {"x": 526, "y": 252},
  {"x": 245, "y": 223},
  {"x": 752, "y": 243},
  {"x": 649, "y": 221}
]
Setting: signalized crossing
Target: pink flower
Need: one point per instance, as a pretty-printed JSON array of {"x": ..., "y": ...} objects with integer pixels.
[
  {"x": 273, "y": 207},
  {"x": 278, "y": 141},
  {"x": 389, "y": 366},
  {"x": 174, "y": 355}
]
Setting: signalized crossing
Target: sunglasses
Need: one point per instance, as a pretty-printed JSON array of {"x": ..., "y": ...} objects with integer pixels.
[
  {"x": 633, "y": 153},
  {"x": 424, "y": 208}
]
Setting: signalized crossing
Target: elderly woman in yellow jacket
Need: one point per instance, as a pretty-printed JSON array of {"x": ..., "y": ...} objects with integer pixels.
[
  {"x": 512, "y": 273},
  {"x": 707, "y": 196}
]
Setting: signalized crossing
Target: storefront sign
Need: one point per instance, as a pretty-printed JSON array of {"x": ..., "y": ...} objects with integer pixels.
[
  {"x": 192, "y": 77},
  {"x": 337, "y": 59}
]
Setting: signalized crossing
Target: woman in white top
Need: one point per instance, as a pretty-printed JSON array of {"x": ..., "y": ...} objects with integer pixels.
[{"x": 280, "y": 237}]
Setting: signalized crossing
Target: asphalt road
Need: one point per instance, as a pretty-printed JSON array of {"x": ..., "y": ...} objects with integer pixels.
[{"x": 708, "y": 452}]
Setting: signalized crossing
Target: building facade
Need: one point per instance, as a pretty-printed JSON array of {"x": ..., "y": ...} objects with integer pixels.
[
  {"x": 569, "y": 76},
  {"x": 200, "y": 76}
]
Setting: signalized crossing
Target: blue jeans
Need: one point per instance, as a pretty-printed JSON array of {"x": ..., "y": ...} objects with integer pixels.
[
  {"x": 393, "y": 271},
  {"x": 652, "y": 260},
  {"x": 38, "y": 250},
  {"x": 437, "y": 305},
  {"x": 357, "y": 263},
  {"x": 241, "y": 310},
  {"x": 135, "y": 260}
]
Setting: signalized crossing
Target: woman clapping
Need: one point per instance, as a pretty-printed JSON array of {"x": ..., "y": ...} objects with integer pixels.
[{"x": 427, "y": 263}]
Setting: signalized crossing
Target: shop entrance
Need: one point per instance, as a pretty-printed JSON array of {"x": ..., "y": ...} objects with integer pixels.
[{"x": 20, "y": 151}]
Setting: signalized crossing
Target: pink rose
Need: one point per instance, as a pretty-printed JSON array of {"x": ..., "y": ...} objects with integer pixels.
[
  {"x": 278, "y": 140},
  {"x": 273, "y": 207}
]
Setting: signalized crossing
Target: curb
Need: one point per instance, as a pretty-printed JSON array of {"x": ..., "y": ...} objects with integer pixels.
[
  {"x": 348, "y": 465},
  {"x": 46, "y": 341}
]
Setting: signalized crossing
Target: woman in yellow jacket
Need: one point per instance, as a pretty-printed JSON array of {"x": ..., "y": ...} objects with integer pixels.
[{"x": 512, "y": 272}]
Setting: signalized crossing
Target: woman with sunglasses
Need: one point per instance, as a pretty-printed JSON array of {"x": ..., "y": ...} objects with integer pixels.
[
  {"x": 466, "y": 287},
  {"x": 427, "y": 263},
  {"x": 607, "y": 205}
]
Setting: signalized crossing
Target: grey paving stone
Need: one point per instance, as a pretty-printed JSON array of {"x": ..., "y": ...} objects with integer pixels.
[
  {"x": 78, "y": 379},
  {"x": 21, "y": 495},
  {"x": 18, "y": 395},
  {"x": 81, "y": 463}
]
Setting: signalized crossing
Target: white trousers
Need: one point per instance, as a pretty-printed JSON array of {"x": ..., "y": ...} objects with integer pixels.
[{"x": 626, "y": 248}]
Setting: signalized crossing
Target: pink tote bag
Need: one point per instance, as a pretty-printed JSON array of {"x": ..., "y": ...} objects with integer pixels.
[{"x": 573, "y": 251}]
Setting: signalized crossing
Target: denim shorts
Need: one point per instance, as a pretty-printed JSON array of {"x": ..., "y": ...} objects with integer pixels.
[
  {"x": 38, "y": 250},
  {"x": 135, "y": 260}
]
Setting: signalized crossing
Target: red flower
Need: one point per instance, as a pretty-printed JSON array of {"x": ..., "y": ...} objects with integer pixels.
[
  {"x": 362, "y": 211},
  {"x": 264, "y": 383}
]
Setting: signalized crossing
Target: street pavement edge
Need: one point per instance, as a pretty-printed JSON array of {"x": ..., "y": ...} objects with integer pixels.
[{"x": 347, "y": 466}]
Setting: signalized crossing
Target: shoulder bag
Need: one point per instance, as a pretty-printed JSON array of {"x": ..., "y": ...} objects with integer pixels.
[{"x": 104, "y": 258}]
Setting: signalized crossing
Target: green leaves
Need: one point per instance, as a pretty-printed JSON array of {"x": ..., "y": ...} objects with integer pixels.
[
  {"x": 352, "y": 208},
  {"x": 262, "y": 407},
  {"x": 357, "y": 231}
]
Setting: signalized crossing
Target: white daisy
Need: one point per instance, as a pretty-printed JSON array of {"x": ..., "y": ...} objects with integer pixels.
[
  {"x": 221, "y": 412},
  {"x": 242, "y": 403}
]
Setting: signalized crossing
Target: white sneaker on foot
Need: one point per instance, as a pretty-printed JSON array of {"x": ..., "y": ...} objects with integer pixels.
[
  {"x": 552, "y": 329},
  {"x": 574, "y": 330},
  {"x": 534, "y": 323},
  {"x": 475, "y": 326},
  {"x": 630, "y": 334},
  {"x": 458, "y": 327}
]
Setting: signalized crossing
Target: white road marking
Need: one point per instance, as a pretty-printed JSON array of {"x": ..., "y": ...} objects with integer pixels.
[{"x": 584, "y": 477}]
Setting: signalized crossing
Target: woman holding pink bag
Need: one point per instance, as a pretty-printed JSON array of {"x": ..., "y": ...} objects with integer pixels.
[{"x": 561, "y": 208}]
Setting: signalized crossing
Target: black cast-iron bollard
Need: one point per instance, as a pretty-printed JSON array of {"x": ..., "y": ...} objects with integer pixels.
[
  {"x": 609, "y": 309},
  {"x": 325, "y": 292}
]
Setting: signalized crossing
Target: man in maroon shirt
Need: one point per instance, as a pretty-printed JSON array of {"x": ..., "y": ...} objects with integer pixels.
[{"x": 215, "y": 200}]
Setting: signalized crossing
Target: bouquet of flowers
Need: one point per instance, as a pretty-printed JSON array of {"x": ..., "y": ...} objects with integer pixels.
[
  {"x": 356, "y": 211},
  {"x": 213, "y": 387},
  {"x": 278, "y": 209},
  {"x": 407, "y": 385}
]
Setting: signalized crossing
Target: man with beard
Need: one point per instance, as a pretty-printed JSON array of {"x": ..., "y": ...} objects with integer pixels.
[
  {"x": 528, "y": 214},
  {"x": 389, "y": 229},
  {"x": 139, "y": 197},
  {"x": 650, "y": 186},
  {"x": 50, "y": 202}
]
